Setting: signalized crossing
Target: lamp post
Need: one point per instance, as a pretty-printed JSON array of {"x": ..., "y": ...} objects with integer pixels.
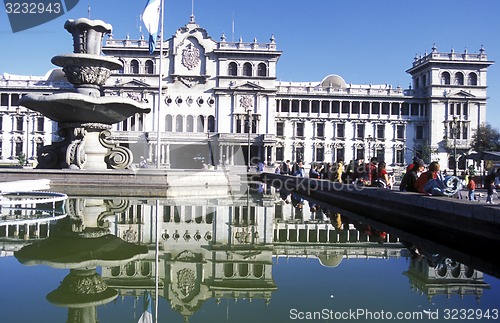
[
  {"x": 27, "y": 137},
  {"x": 369, "y": 139},
  {"x": 22, "y": 114},
  {"x": 455, "y": 130},
  {"x": 248, "y": 126}
]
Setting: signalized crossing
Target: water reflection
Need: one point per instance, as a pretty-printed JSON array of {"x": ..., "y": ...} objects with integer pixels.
[
  {"x": 434, "y": 274},
  {"x": 82, "y": 242},
  {"x": 193, "y": 252}
]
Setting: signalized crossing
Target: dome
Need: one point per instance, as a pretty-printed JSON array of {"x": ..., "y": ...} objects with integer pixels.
[
  {"x": 333, "y": 81},
  {"x": 330, "y": 260},
  {"x": 55, "y": 75}
]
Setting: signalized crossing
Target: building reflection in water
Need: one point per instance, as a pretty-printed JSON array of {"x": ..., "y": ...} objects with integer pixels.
[
  {"x": 216, "y": 248},
  {"x": 434, "y": 274},
  {"x": 82, "y": 242}
]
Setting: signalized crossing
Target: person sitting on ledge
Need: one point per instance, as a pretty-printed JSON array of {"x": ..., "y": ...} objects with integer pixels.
[
  {"x": 313, "y": 172},
  {"x": 411, "y": 176},
  {"x": 383, "y": 180},
  {"x": 299, "y": 169},
  {"x": 432, "y": 181},
  {"x": 371, "y": 171},
  {"x": 285, "y": 168}
]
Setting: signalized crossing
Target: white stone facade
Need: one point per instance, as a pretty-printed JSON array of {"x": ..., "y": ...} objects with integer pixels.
[
  {"x": 24, "y": 131},
  {"x": 228, "y": 94}
]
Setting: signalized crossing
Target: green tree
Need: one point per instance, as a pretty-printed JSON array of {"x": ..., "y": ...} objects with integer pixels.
[
  {"x": 21, "y": 159},
  {"x": 486, "y": 138}
]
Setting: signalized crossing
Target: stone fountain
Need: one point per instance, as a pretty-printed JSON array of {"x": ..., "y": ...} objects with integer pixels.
[{"x": 85, "y": 116}]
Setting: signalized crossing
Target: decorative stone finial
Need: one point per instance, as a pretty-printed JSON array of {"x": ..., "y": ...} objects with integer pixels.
[{"x": 87, "y": 35}]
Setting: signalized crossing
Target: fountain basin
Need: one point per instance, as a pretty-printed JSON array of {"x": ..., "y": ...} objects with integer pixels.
[
  {"x": 87, "y": 69},
  {"x": 80, "y": 108}
]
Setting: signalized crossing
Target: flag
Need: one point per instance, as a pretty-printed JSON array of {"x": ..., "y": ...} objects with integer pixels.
[
  {"x": 147, "y": 316},
  {"x": 151, "y": 19}
]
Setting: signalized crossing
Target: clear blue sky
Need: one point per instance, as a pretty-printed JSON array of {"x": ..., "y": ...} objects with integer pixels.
[{"x": 364, "y": 41}]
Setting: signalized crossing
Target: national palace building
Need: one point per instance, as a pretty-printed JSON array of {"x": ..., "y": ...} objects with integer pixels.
[{"x": 221, "y": 101}]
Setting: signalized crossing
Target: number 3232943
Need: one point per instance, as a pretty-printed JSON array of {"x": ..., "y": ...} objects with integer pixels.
[
  {"x": 470, "y": 314},
  {"x": 32, "y": 8}
]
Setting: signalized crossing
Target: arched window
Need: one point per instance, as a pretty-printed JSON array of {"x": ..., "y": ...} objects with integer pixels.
[
  {"x": 178, "y": 124},
  {"x": 262, "y": 69},
  {"x": 459, "y": 78},
  {"x": 149, "y": 67},
  {"x": 115, "y": 271},
  {"x": 189, "y": 124},
  {"x": 211, "y": 124},
  {"x": 130, "y": 269},
  {"x": 445, "y": 78},
  {"x": 40, "y": 123},
  {"x": 228, "y": 270},
  {"x": 243, "y": 270},
  {"x": 168, "y": 123},
  {"x": 258, "y": 270},
  {"x": 472, "y": 79},
  {"x": 145, "y": 268},
  {"x": 247, "y": 69},
  {"x": 134, "y": 67},
  {"x": 200, "y": 124},
  {"x": 121, "y": 70},
  {"x": 232, "y": 69}
]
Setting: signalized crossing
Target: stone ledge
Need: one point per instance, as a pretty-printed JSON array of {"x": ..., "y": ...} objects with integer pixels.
[
  {"x": 446, "y": 213},
  {"x": 128, "y": 183}
]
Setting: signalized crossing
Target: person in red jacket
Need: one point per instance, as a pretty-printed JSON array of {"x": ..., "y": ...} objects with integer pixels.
[
  {"x": 472, "y": 188},
  {"x": 371, "y": 171},
  {"x": 424, "y": 178}
]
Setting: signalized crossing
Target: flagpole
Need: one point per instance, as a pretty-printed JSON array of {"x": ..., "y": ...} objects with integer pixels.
[
  {"x": 157, "y": 258},
  {"x": 160, "y": 79}
]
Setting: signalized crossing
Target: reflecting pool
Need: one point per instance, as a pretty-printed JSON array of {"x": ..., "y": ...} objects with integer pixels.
[{"x": 257, "y": 257}]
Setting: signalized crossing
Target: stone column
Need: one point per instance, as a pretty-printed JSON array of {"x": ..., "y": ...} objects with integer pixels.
[{"x": 94, "y": 151}]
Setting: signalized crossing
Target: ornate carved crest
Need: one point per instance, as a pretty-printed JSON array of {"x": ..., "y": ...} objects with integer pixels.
[
  {"x": 246, "y": 102},
  {"x": 186, "y": 281},
  {"x": 130, "y": 235},
  {"x": 190, "y": 57}
]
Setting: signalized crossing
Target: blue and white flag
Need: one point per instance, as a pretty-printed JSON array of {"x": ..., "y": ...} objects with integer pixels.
[
  {"x": 147, "y": 315},
  {"x": 151, "y": 19}
]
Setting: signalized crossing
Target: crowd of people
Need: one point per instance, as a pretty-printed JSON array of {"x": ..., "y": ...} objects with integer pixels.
[
  {"x": 418, "y": 177},
  {"x": 435, "y": 182},
  {"x": 373, "y": 173}
]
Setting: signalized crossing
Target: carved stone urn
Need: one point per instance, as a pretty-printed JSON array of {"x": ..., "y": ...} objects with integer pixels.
[{"x": 85, "y": 116}]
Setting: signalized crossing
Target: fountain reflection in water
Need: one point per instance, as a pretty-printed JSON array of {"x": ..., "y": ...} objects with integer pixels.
[{"x": 82, "y": 242}]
